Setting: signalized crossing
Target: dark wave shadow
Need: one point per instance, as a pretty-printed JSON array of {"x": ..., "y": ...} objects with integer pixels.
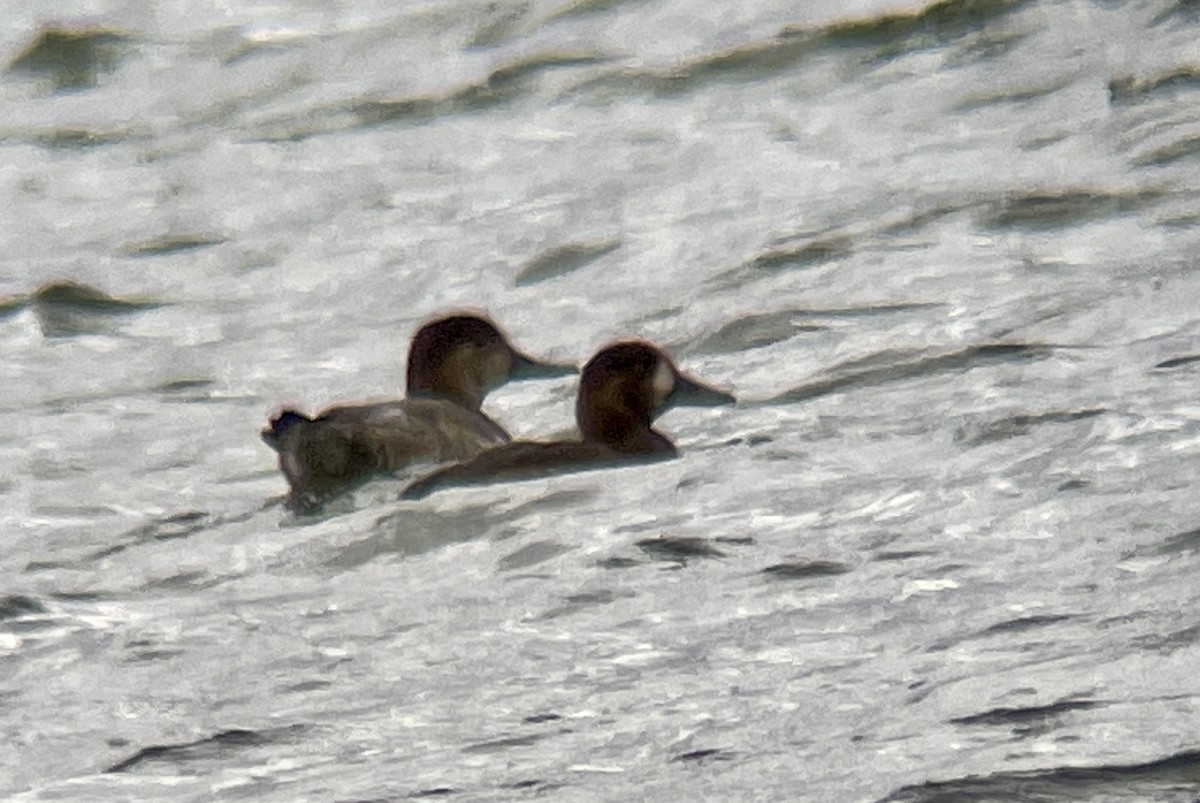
[
  {"x": 679, "y": 548},
  {"x": 1046, "y": 209},
  {"x": 1176, "y": 362},
  {"x": 888, "y": 35},
  {"x": 501, "y": 86},
  {"x": 895, "y": 365},
  {"x": 212, "y": 748},
  {"x": 704, "y": 756},
  {"x": 1142, "y": 781},
  {"x": 1019, "y": 625},
  {"x": 887, "y": 230},
  {"x": 1180, "y": 543},
  {"x": 805, "y": 569},
  {"x": 810, "y": 252},
  {"x": 903, "y": 554},
  {"x": 751, "y": 331},
  {"x": 64, "y": 308},
  {"x": 754, "y": 331},
  {"x": 182, "y": 390},
  {"x": 500, "y": 24},
  {"x": 1132, "y": 89},
  {"x": 172, "y": 244},
  {"x": 1025, "y": 623},
  {"x": 1014, "y": 426},
  {"x": 935, "y": 24},
  {"x": 511, "y": 741},
  {"x": 189, "y": 390},
  {"x": 1185, "y": 12},
  {"x": 184, "y": 524},
  {"x": 1185, "y": 148},
  {"x": 562, "y": 260},
  {"x": 1010, "y": 95},
  {"x": 532, "y": 554},
  {"x": 168, "y": 528},
  {"x": 806, "y": 253},
  {"x": 505, "y": 84},
  {"x": 585, "y": 601},
  {"x": 72, "y": 138},
  {"x": 1028, "y": 721},
  {"x": 675, "y": 550},
  {"x": 14, "y": 606},
  {"x": 503, "y": 744},
  {"x": 72, "y": 59},
  {"x": 1169, "y": 643},
  {"x": 579, "y": 8}
]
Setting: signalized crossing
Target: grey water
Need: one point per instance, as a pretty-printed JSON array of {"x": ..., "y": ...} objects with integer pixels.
[{"x": 943, "y": 549}]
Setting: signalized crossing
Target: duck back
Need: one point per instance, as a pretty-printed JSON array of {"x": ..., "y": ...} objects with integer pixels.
[
  {"x": 327, "y": 454},
  {"x": 527, "y": 460}
]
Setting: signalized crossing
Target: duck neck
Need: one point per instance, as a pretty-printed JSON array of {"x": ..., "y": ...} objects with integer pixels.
[
  {"x": 453, "y": 378},
  {"x": 450, "y": 391},
  {"x": 622, "y": 430}
]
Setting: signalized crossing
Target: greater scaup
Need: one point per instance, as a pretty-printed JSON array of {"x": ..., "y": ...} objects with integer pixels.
[
  {"x": 452, "y": 364},
  {"x": 622, "y": 389}
]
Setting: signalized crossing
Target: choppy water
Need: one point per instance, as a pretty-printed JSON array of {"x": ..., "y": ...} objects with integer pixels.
[{"x": 944, "y": 550}]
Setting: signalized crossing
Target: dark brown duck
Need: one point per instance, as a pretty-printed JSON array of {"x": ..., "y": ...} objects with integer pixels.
[
  {"x": 452, "y": 364},
  {"x": 623, "y": 388}
]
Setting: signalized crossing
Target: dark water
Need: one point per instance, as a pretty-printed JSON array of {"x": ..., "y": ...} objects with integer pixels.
[{"x": 943, "y": 550}]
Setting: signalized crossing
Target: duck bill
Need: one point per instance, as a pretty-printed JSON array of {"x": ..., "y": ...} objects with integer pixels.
[
  {"x": 526, "y": 367},
  {"x": 691, "y": 392}
]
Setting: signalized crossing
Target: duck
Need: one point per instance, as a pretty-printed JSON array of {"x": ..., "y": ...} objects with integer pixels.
[
  {"x": 622, "y": 389},
  {"x": 453, "y": 362}
]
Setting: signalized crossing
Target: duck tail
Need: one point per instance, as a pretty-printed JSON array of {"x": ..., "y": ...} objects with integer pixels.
[{"x": 279, "y": 425}]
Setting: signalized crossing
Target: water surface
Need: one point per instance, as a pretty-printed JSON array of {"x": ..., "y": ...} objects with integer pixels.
[{"x": 944, "y": 548}]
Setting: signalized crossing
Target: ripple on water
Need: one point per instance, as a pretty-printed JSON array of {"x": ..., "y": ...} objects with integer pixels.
[
  {"x": 1028, "y": 721},
  {"x": 64, "y": 308},
  {"x": 752, "y": 331},
  {"x": 1168, "y": 780},
  {"x": 208, "y": 749},
  {"x": 887, "y": 36},
  {"x": 14, "y": 605},
  {"x": 805, "y": 569},
  {"x": 1019, "y": 424},
  {"x": 860, "y": 212},
  {"x": 564, "y": 259},
  {"x": 1055, "y": 209},
  {"x": 894, "y": 365},
  {"x": 72, "y": 59}
]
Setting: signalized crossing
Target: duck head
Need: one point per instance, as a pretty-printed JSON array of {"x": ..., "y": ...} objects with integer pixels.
[
  {"x": 626, "y": 386},
  {"x": 463, "y": 356}
]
